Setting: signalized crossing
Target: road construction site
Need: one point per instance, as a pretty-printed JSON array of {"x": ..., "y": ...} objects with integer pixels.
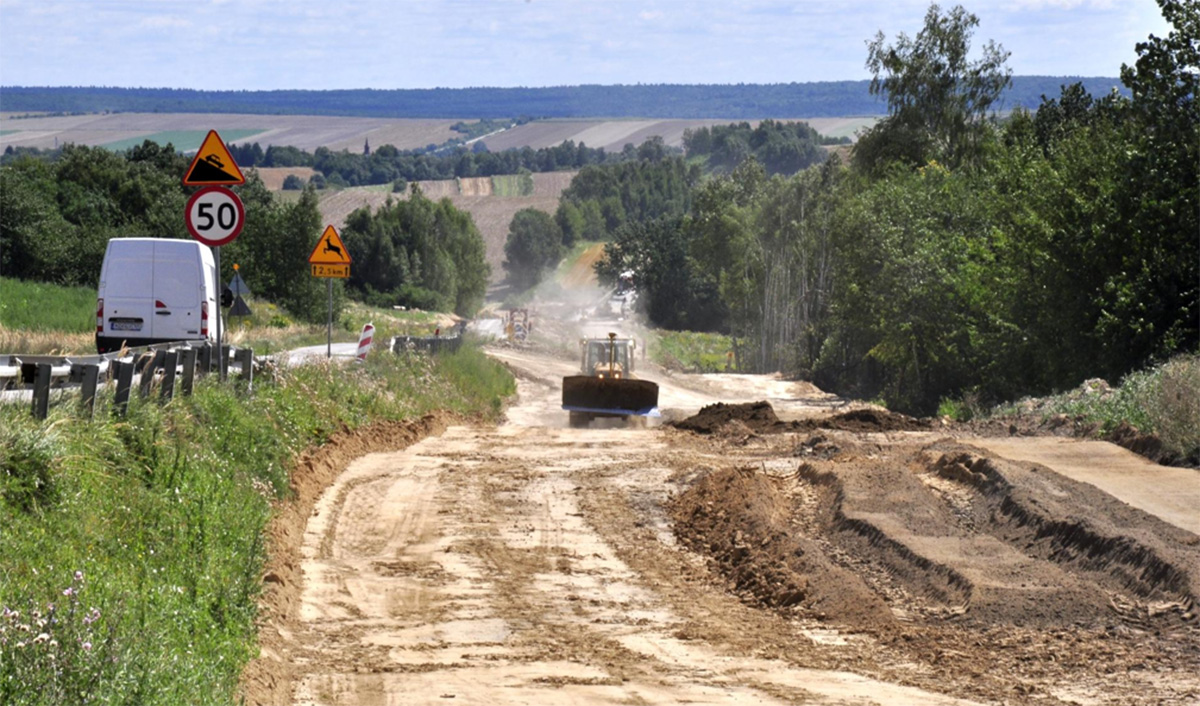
[{"x": 762, "y": 542}]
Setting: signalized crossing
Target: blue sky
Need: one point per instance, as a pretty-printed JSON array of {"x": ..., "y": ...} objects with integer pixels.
[{"x": 326, "y": 44}]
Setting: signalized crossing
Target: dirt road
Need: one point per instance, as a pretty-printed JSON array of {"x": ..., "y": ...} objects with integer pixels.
[{"x": 537, "y": 564}]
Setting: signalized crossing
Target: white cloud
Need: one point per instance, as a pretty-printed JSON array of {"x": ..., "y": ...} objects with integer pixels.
[{"x": 162, "y": 21}]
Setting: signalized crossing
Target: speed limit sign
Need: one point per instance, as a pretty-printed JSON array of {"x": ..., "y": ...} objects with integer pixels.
[{"x": 215, "y": 216}]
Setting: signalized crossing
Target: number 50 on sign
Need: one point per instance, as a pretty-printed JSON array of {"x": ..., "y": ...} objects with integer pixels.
[{"x": 215, "y": 216}]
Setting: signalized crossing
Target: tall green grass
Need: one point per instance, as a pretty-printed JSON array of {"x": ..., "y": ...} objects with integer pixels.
[
  {"x": 692, "y": 351},
  {"x": 36, "y": 306},
  {"x": 131, "y": 549}
]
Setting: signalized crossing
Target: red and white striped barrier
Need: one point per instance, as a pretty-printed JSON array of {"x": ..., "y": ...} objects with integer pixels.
[{"x": 364, "y": 342}]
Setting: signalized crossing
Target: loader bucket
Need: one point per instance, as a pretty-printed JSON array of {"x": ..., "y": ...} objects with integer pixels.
[{"x": 613, "y": 397}]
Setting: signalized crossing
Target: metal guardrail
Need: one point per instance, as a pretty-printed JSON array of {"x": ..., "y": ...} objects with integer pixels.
[
  {"x": 170, "y": 365},
  {"x": 426, "y": 344}
]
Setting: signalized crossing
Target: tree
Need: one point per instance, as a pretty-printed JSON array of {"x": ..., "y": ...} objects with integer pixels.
[
  {"x": 292, "y": 182},
  {"x": 937, "y": 98},
  {"x": 534, "y": 244}
]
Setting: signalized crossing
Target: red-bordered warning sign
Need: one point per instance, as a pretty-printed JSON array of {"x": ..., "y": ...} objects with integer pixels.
[{"x": 213, "y": 165}]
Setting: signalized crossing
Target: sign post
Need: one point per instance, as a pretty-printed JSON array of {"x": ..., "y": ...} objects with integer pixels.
[
  {"x": 330, "y": 259},
  {"x": 214, "y": 214}
]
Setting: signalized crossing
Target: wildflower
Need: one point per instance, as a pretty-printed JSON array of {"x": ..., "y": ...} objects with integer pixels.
[
  {"x": 78, "y": 575},
  {"x": 54, "y": 643},
  {"x": 87, "y": 646},
  {"x": 68, "y": 591},
  {"x": 42, "y": 637},
  {"x": 19, "y": 645},
  {"x": 92, "y": 616}
]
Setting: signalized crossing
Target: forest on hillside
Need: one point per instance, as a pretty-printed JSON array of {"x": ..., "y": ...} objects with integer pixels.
[
  {"x": 956, "y": 256},
  {"x": 734, "y": 102}
]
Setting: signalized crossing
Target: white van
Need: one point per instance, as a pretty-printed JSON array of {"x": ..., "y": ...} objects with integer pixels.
[{"x": 154, "y": 290}]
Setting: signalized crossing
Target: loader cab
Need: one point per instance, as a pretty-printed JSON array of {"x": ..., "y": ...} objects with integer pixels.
[{"x": 600, "y": 355}]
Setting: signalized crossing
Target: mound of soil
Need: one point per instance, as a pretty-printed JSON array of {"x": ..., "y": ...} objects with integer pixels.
[
  {"x": 759, "y": 417},
  {"x": 743, "y": 523},
  {"x": 874, "y": 420}
]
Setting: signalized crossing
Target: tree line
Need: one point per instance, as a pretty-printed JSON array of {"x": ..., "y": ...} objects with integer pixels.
[
  {"x": 730, "y": 101},
  {"x": 58, "y": 217},
  {"x": 956, "y": 255}
]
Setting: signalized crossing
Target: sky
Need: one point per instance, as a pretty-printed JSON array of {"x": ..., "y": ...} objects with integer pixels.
[{"x": 385, "y": 44}]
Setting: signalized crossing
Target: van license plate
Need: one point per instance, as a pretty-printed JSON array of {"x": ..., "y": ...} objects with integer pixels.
[{"x": 125, "y": 325}]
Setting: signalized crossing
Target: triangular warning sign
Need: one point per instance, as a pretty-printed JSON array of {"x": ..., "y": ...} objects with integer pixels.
[
  {"x": 239, "y": 308},
  {"x": 329, "y": 250},
  {"x": 213, "y": 165},
  {"x": 238, "y": 285}
]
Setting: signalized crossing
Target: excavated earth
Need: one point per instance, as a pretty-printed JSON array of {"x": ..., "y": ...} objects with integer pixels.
[{"x": 779, "y": 548}]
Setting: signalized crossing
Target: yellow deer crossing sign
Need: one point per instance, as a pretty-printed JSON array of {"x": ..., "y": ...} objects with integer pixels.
[{"x": 330, "y": 257}]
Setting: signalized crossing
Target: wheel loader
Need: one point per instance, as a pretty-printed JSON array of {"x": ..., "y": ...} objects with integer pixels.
[{"x": 607, "y": 386}]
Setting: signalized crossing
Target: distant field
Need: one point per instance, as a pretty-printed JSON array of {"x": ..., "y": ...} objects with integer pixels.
[
  {"x": 122, "y": 130},
  {"x": 303, "y": 131},
  {"x": 183, "y": 140},
  {"x": 491, "y": 211}
]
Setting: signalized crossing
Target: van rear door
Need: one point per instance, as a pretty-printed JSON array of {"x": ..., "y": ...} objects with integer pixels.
[
  {"x": 128, "y": 311},
  {"x": 176, "y": 291}
]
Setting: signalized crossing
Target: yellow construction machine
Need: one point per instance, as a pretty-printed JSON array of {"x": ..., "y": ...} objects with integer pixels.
[{"x": 607, "y": 386}]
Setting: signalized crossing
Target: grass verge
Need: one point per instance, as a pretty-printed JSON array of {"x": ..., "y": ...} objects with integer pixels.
[
  {"x": 133, "y": 548},
  {"x": 691, "y": 351},
  {"x": 40, "y": 307}
]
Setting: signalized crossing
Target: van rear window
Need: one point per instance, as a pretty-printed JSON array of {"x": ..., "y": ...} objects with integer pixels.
[
  {"x": 177, "y": 282},
  {"x": 127, "y": 277}
]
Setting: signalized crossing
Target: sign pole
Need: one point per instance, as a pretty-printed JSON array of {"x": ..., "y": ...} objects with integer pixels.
[
  {"x": 329, "y": 328},
  {"x": 220, "y": 349}
]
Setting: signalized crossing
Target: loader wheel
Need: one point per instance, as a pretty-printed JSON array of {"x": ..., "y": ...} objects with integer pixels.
[{"x": 578, "y": 420}]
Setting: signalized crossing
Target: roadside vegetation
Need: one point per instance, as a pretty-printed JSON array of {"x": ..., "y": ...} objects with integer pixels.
[
  {"x": 956, "y": 255},
  {"x": 692, "y": 352},
  {"x": 38, "y": 306},
  {"x": 1163, "y": 400},
  {"x": 134, "y": 547}
]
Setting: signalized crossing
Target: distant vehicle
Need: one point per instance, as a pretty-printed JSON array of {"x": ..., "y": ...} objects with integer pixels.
[
  {"x": 608, "y": 386},
  {"x": 154, "y": 290}
]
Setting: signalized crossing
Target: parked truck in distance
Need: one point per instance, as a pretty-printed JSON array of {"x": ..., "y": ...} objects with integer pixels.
[{"x": 154, "y": 290}]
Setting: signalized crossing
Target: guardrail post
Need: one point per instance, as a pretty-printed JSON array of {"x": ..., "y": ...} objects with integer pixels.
[
  {"x": 41, "y": 390},
  {"x": 87, "y": 390},
  {"x": 206, "y": 352},
  {"x": 146, "y": 365},
  {"x": 188, "y": 360},
  {"x": 124, "y": 386},
  {"x": 245, "y": 357},
  {"x": 223, "y": 364},
  {"x": 170, "y": 361}
]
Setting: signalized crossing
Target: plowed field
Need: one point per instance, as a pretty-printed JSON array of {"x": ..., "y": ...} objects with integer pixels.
[{"x": 799, "y": 552}]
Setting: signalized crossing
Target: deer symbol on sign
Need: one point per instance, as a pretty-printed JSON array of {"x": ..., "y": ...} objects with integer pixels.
[{"x": 330, "y": 247}]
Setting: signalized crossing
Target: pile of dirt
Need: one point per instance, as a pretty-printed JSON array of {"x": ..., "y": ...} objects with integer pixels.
[
  {"x": 874, "y": 420},
  {"x": 743, "y": 523},
  {"x": 759, "y": 417}
]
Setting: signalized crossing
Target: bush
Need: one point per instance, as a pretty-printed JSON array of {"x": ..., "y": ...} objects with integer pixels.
[{"x": 292, "y": 183}]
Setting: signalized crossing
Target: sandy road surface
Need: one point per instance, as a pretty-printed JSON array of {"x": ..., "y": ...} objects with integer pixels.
[
  {"x": 537, "y": 564},
  {"x": 471, "y": 567}
]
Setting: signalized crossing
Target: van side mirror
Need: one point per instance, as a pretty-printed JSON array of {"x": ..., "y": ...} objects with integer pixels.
[{"x": 227, "y": 298}]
